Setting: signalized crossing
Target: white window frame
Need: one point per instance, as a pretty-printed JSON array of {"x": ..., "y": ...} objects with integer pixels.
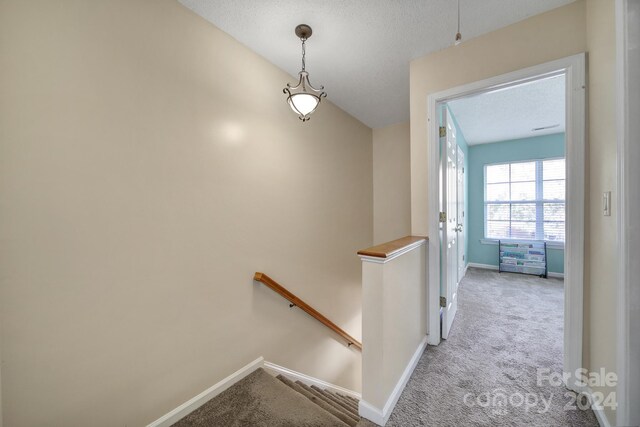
[{"x": 538, "y": 202}]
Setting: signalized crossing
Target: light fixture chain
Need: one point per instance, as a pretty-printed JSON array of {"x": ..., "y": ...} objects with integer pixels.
[{"x": 303, "y": 53}]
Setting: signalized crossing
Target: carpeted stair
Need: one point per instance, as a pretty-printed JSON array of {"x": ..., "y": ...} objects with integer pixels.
[
  {"x": 341, "y": 407},
  {"x": 262, "y": 400}
]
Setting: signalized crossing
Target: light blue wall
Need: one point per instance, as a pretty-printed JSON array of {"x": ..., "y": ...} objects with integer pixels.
[{"x": 540, "y": 147}]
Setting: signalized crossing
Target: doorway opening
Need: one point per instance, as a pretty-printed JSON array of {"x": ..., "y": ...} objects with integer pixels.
[
  {"x": 506, "y": 147},
  {"x": 517, "y": 203}
]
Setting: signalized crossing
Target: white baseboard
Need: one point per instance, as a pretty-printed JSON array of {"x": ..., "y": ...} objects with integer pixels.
[
  {"x": 371, "y": 413},
  {"x": 196, "y": 402},
  {"x": 381, "y": 416},
  {"x": 306, "y": 379},
  {"x": 601, "y": 417},
  {"x": 435, "y": 340},
  {"x": 495, "y": 267},
  {"x": 599, "y": 412},
  {"x": 556, "y": 275},
  {"x": 192, "y": 404},
  {"x": 483, "y": 266}
]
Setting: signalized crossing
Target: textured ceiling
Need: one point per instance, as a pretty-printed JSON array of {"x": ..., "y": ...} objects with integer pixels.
[
  {"x": 512, "y": 113},
  {"x": 360, "y": 49}
]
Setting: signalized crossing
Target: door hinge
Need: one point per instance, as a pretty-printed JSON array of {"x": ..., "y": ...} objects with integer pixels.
[
  {"x": 443, "y": 301},
  {"x": 463, "y": 257},
  {"x": 443, "y": 217},
  {"x": 443, "y": 131}
]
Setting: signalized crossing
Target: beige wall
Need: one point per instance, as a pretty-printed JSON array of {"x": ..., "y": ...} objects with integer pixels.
[
  {"x": 391, "y": 183},
  {"x": 601, "y": 242},
  {"x": 578, "y": 27},
  {"x": 542, "y": 38},
  {"x": 149, "y": 165}
]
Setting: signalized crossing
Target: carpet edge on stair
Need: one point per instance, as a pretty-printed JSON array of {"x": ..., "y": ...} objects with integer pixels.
[{"x": 260, "y": 400}]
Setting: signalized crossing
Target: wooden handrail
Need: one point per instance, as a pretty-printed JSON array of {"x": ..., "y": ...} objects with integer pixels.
[{"x": 275, "y": 286}]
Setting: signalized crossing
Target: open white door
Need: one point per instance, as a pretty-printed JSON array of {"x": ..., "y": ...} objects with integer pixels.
[
  {"x": 461, "y": 214},
  {"x": 449, "y": 270}
]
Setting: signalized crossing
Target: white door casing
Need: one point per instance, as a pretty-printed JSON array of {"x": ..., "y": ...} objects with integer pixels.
[
  {"x": 628, "y": 307},
  {"x": 573, "y": 68}
]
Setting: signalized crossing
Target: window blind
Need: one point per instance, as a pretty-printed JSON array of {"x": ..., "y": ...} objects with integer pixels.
[{"x": 525, "y": 200}]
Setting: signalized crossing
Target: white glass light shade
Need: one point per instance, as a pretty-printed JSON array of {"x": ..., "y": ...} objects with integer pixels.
[
  {"x": 303, "y": 98},
  {"x": 303, "y": 103}
]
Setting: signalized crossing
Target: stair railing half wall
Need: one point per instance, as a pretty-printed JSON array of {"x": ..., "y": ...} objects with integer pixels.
[
  {"x": 297, "y": 302},
  {"x": 394, "y": 321}
]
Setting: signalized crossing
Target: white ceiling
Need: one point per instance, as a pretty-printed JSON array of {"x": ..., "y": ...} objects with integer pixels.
[
  {"x": 360, "y": 49},
  {"x": 512, "y": 113}
]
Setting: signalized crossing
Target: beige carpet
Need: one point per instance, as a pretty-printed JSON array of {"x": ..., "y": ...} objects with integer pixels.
[{"x": 507, "y": 327}]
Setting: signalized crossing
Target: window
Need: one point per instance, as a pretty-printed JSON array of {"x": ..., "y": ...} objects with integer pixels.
[{"x": 525, "y": 200}]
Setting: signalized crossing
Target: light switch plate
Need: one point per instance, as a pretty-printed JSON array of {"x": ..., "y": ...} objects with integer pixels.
[{"x": 606, "y": 203}]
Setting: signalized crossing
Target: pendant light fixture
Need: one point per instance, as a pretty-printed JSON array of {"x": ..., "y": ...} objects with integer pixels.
[
  {"x": 458, "y": 35},
  {"x": 303, "y": 98}
]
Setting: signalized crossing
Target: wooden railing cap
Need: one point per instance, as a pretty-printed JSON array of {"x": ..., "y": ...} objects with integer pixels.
[{"x": 388, "y": 249}]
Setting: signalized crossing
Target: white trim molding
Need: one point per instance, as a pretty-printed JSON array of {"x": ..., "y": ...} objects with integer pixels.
[
  {"x": 194, "y": 403},
  {"x": 380, "y": 416},
  {"x": 628, "y": 180},
  {"x": 573, "y": 68},
  {"x": 370, "y": 412},
  {"x": 601, "y": 416},
  {"x": 483, "y": 266},
  {"x": 306, "y": 379}
]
